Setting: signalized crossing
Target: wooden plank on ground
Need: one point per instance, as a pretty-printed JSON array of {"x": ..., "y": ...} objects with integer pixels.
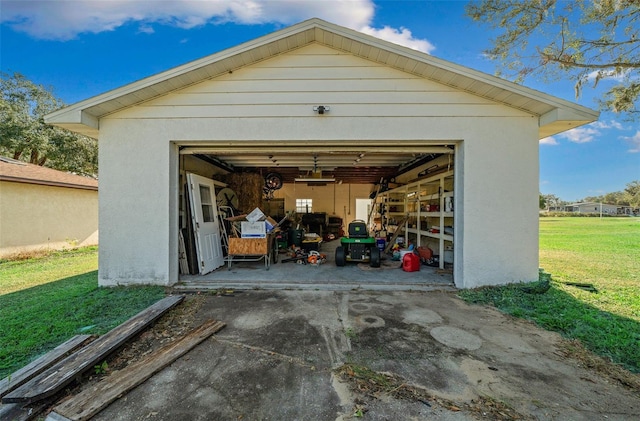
[
  {"x": 37, "y": 366},
  {"x": 52, "y": 416},
  {"x": 92, "y": 400},
  {"x": 20, "y": 411},
  {"x": 62, "y": 373}
]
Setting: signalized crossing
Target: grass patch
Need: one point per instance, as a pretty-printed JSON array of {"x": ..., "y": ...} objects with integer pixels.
[
  {"x": 48, "y": 299},
  {"x": 582, "y": 252},
  {"x": 26, "y": 271}
]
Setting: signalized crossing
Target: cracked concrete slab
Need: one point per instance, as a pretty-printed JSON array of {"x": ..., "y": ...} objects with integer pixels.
[{"x": 432, "y": 357}]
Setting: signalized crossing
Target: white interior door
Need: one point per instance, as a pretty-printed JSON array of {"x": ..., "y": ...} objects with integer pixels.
[
  {"x": 204, "y": 213},
  {"x": 363, "y": 206}
]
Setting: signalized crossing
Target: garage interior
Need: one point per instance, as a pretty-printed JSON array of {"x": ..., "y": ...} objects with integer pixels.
[{"x": 314, "y": 190}]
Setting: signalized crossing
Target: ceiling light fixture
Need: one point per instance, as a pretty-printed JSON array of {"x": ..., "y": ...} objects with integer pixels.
[
  {"x": 428, "y": 170},
  {"x": 315, "y": 180}
]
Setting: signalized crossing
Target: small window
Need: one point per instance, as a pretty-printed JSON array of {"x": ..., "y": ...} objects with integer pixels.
[
  {"x": 304, "y": 205},
  {"x": 207, "y": 203}
]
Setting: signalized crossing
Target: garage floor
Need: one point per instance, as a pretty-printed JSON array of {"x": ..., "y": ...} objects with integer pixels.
[{"x": 390, "y": 276}]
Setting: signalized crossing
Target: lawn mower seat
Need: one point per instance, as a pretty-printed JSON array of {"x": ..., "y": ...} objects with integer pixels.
[{"x": 358, "y": 229}]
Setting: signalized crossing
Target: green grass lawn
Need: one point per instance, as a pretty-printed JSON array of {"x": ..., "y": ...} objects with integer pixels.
[
  {"x": 46, "y": 300},
  {"x": 603, "y": 253}
]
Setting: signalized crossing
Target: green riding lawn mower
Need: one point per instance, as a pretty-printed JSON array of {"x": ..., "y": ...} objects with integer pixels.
[{"x": 359, "y": 246}]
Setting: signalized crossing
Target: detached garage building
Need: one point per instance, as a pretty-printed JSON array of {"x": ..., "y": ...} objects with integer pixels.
[{"x": 320, "y": 99}]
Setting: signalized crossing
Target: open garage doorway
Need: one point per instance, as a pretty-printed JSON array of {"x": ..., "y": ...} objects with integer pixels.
[{"x": 403, "y": 192}]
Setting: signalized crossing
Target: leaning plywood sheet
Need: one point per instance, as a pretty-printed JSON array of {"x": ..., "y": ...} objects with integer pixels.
[
  {"x": 58, "y": 376},
  {"x": 37, "y": 366},
  {"x": 248, "y": 246},
  {"x": 90, "y": 401}
]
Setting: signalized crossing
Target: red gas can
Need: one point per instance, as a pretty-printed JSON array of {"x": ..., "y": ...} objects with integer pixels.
[{"x": 411, "y": 262}]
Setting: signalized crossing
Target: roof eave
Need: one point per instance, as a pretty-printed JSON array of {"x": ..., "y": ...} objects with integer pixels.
[
  {"x": 75, "y": 119},
  {"x": 563, "y": 115},
  {"x": 25, "y": 180},
  {"x": 562, "y": 119}
]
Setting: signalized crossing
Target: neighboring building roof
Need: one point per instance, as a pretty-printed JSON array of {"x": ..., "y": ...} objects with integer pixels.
[
  {"x": 23, "y": 172},
  {"x": 555, "y": 115},
  {"x": 590, "y": 204}
]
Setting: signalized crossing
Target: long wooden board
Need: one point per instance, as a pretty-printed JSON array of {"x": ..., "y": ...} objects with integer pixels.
[
  {"x": 90, "y": 401},
  {"x": 52, "y": 416},
  {"x": 62, "y": 373},
  {"x": 37, "y": 366},
  {"x": 21, "y": 412}
]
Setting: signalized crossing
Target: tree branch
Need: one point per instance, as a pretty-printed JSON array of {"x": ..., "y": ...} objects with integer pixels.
[{"x": 572, "y": 63}]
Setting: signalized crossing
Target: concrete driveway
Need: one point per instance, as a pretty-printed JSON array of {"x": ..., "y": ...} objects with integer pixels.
[{"x": 323, "y": 355}]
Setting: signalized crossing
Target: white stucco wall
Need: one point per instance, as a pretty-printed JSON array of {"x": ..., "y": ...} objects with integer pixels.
[
  {"x": 135, "y": 206},
  {"x": 497, "y": 160},
  {"x": 499, "y": 203}
]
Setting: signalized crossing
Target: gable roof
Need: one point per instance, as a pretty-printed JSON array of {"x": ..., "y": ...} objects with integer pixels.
[
  {"x": 555, "y": 115},
  {"x": 23, "y": 172}
]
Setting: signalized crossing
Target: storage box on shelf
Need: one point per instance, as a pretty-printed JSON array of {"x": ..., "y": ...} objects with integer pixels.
[{"x": 428, "y": 204}]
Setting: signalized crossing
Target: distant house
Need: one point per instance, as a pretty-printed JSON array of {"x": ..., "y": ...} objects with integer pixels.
[
  {"x": 628, "y": 210},
  {"x": 592, "y": 207},
  {"x": 42, "y": 208}
]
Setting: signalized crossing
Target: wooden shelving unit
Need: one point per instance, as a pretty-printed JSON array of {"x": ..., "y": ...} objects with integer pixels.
[{"x": 428, "y": 204}]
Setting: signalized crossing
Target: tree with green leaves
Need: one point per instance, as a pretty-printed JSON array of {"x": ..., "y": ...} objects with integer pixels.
[
  {"x": 633, "y": 193},
  {"x": 587, "y": 40},
  {"x": 25, "y": 136},
  {"x": 551, "y": 201},
  {"x": 630, "y": 196}
]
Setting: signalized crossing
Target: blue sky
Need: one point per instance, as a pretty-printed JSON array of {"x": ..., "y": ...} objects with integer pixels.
[{"x": 82, "y": 48}]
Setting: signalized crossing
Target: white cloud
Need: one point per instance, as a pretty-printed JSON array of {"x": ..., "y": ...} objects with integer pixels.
[
  {"x": 66, "y": 19},
  {"x": 580, "y": 134},
  {"x": 548, "y": 141},
  {"x": 146, "y": 29},
  {"x": 607, "y": 75},
  {"x": 634, "y": 141},
  {"x": 611, "y": 124},
  {"x": 590, "y": 132},
  {"x": 401, "y": 36}
]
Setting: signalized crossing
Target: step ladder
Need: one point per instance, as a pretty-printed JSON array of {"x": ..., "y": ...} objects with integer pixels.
[
  {"x": 401, "y": 227},
  {"x": 227, "y": 211}
]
